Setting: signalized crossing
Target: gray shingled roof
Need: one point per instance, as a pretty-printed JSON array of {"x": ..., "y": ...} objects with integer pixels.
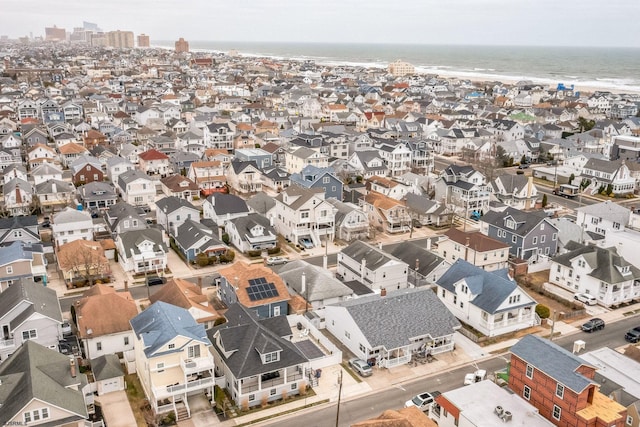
[
  {"x": 106, "y": 367},
  {"x": 42, "y": 300},
  {"x": 261, "y": 203},
  {"x": 373, "y": 256},
  {"x": 393, "y": 320},
  {"x": 320, "y": 284},
  {"x": 172, "y": 203},
  {"x": 227, "y": 204},
  {"x": 409, "y": 252},
  {"x": 244, "y": 335},
  {"x": 491, "y": 288},
  {"x": 526, "y": 221},
  {"x": 131, "y": 239},
  {"x": 36, "y": 372},
  {"x": 553, "y": 360},
  {"x": 609, "y": 210}
]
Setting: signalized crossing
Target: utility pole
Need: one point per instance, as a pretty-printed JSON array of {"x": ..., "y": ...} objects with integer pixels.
[
  {"x": 553, "y": 325},
  {"x": 339, "y": 396}
]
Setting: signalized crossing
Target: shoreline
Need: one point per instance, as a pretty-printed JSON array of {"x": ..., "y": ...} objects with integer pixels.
[{"x": 479, "y": 75}]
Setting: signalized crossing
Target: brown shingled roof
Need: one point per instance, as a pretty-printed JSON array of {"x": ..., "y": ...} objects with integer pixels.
[
  {"x": 102, "y": 311},
  {"x": 239, "y": 275},
  {"x": 477, "y": 241}
]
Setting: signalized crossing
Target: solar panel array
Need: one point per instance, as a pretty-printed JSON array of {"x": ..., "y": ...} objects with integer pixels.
[{"x": 260, "y": 289}]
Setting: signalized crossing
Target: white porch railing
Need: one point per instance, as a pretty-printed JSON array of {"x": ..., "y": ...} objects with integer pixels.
[
  {"x": 197, "y": 364},
  {"x": 163, "y": 392},
  {"x": 7, "y": 343}
]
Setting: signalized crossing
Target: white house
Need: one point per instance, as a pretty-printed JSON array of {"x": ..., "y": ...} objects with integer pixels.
[
  {"x": 173, "y": 211},
  {"x": 372, "y": 267},
  {"x": 136, "y": 188},
  {"x": 490, "y": 302},
  {"x": 142, "y": 251},
  {"x": 603, "y": 217},
  {"x": 71, "y": 224}
]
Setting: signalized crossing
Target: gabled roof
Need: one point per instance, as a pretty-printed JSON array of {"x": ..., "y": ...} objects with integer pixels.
[
  {"x": 245, "y": 336},
  {"x": 172, "y": 203},
  {"x": 402, "y": 315},
  {"x": 25, "y": 223},
  {"x": 553, "y": 360},
  {"x": 131, "y": 240},
  {"x": 187, "y": 295},
  {"x": 153, "y": 154},
  {"x": 489, "y": 288},
  {"x": 70, "y": 215},
  {"x": 412, "y": 253},
  {"x": 608, "y": 210},
  {"x": 223, "y": 204},
  {"x": 190, "y": 232},
  {"x": 103, "y": 311},
  {"x": 373, "y": 257},
  {"x": 525, "y": 221},
  {"x": 42, "y": 300},
  {"x": 261, "y": 203},
  {"x": 106, "y": 367},
  {"x": 36, "y": 372},
  {"x": 476, "y": 240},
  {"x": 161, "y": 323},
  {"x": 320, "y": 284}
]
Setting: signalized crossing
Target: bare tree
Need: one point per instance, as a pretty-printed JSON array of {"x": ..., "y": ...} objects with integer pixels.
[{"x": 84, "y": 260}]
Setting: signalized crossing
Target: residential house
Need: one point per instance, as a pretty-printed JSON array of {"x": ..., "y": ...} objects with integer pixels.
[
  {"x": 70, "y": 152},
  {"x": 19, "y": 229},
  {"x": 609, "y": 174},
  {"x": 528, "y": 234},
  {"x": 517, "y": 191},
  {"x": 41, "y": 153},
  {"x": 387, "y": 329},
  {"x": 54, "y": 195},
  {"x": 219, "y": 136},
  {"x": 97, "y": 195},
  {"x": 209, "y": 176},
  {"x": 425, "y": 266},
  {"x": 371, "y": 266},
  {"x": 368, "y": 163},
  {"x": 15, "y": 171},
  {"x": 252, "y": 232},
  {"x": 44, "y": 172},
  {"x": 313, "y": 177},
  {"x": 153, "y": 162},
  {"x": 103, "y": 317},
  {"x": 70, "y": 224},
  {"x": 220, "y": 208},
  {"x": 424, "y": 211},
  {"x": 181, "y": 187},
  {"x": 173, "y": 358},
  {"x": 83, "y": 262},
  {"x": 122, "y": 217},
  {"x": 302, "y": 213},
  {"x": 351, "y": 223},
  {"x": 172, "y": 212},
  {"x": 463, "y": 189},
  {"x": 136, "y": 188},
  {"x": 18, "y": 197},
  {"x": 108, "y": 374},
  {"x": 28, "y": 312},
  {"x": 244, "y": 177},
  {"x": 491, "y": 302},
  {"x": 255, "y": 287},
  {"x": 298, "y": 157},
  {"x": 386, "y": 214},
  {"x": 182, "y": 293},
  {"x": 601, "y": 218},
  {"x": 115, "y": 166},
  {"x": 193, "y": 239},
  {"x": 410, "y": 416},
  {"x": 257, "y": 358},
  {"x": 560, "y": 385},
  {"x": 475, "y": 248},
  {"x": 263, "y": 159},
  {"x": 597, "y": 271},
  {"x": 276, "y": 179},
  {"x": 484, "y": 403},
  {"x": 42, "y": 387},
  {"x": 85, "y": 169},
  {"x": 142, "y": 251},
  {"x": 316, "y": 285}
]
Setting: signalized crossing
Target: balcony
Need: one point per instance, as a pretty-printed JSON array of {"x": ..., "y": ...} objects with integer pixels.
[
  {"x": 197, "y": 364},
  {"x": 171, "y": 390},
  {"x": 7, "y": 343}
]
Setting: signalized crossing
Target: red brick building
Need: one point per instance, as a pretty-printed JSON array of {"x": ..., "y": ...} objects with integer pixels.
[{"x": 560, "y": 384}]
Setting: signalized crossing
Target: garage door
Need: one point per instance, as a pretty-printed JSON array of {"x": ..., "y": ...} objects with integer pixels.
[{"x": 110, "y": 385}]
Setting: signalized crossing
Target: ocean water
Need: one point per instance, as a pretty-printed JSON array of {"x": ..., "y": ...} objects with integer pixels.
[{"x": 614, "y": 69}]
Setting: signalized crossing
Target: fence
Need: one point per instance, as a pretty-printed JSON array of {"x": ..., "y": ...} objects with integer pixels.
[{"x": 335, "y": 355}]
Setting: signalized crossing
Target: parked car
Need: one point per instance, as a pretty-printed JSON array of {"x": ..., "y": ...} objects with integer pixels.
[
  {"x": 523, "y": 165},
  {"x": 475, "y": 377},
  {"x": 594, "y": 324},
  {"x": 156, "y": 280},
  {"x": 305, "y": 242},
  {"x": 361, "y": 367},
  {"x": 45, "y": 224},
  {"x": 422, "y": 401},
  {"x": 633, "y": 335},
  {"x": 585, "y": 298},
  {"x": 66, "y": 327},
  {"x": 276, "y": 260}
]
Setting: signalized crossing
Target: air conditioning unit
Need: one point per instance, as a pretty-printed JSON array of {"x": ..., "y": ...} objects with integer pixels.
[
  {"x": 506, "y": 416},
  {"x": 499, "y": 411}
]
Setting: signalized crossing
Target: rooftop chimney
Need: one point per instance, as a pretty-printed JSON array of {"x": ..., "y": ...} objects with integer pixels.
[
  {"x": 72, "y": 367},
  {"x": 200, "y": 283},
  {"x": 428, "y": 244},
  {"x": 383, "y": 292},
  {"x": 303, "y": 284},
  {"x": 126, "y": 285}
]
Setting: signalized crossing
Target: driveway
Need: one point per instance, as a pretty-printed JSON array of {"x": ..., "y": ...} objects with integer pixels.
[{"x": 116, "y": 409}]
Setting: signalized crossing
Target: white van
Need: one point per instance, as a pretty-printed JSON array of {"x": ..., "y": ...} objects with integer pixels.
[{"x": 586, "y": 299}]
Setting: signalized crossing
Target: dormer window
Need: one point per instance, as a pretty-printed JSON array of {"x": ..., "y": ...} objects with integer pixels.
[
  {"x": 510, "y": 224},
  {"x": 271, "y": 357}
]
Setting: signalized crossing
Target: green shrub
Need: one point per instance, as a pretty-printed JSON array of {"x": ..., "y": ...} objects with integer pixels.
[
  {"x": 543, "y": 311},
  {"x": 202, "y": 260},
  {"x": 274, "y": 251},
  {"x": 225, "y": 238}
]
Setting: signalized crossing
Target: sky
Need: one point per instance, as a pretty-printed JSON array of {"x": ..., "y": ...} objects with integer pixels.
[{"x": 459, "y": 22}]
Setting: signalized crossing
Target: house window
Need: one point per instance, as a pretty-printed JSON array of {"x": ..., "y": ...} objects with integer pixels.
[
  {"x": 27, "y": 417},
  {"x": 9, "y": 269},
  {"x": 252, "y": 397},
  {"x": 535, "y": 240},
  {"x": 193, "y": 351},
  {"x": 529, "y": 372},
  {"x": 272, "y": 392},
  {"x": 82, "y": 178},
  {"x": 17, "y": 233},
  {"x": 554, "y": 237},
  {"x": 44, "y": 412},
  {"x": 271, "y": 357},
  {"x": 326, "y": 180},
  {"x": 542, "y": 226},
  {"x": 543, "y": 238},
  {"x": 294, "y": 386},
  {"x": 629, "y": 420},
  {"x": 514, "y": 239},
  {"x": 304, "y": 215},
  {"x": 347, "y": 334},
  {"x": 99, "y": 346},
  {"x": 444, "y": 293},
  {"x": 557, "y": 412},
  {"x": 126, "y": 340},
  {"x": 95, "y": 177},
  {"x": 172, "y": 346},
  {"x": 461, "y": 304},
  {"x": 526, "y": 392},
  {"x": 29, "y": 335},
  {"x": 160, "y": 367},
  {"x": 455, "y": 299},
  {"x": 560, "y": 390}
]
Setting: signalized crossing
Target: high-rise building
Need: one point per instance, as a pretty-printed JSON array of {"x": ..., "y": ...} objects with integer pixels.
[
  {"x": 99, "y": 39},
  {"x": 55, "y": 34},
  {"x": 143, "y": 40},
  {"x": 182, "y": 46},
  {"x": 120, "y": 39},
  {"x": 400, "y": 68}
]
